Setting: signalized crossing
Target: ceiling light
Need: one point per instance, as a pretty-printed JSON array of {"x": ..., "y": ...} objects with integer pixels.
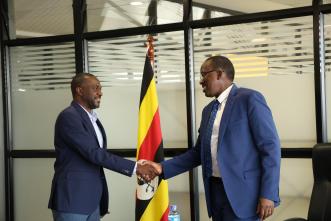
[{"x": 136, "y": 3}]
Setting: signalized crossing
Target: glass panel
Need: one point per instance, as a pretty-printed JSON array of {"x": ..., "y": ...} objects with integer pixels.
[
  {"x": 119, "y": 64},
  {"x": 40, "y": 89},
  {"x": 294, "y": 198},
  {"x": 32, "y": 183},
  {"x": 212, "y": 9},
  {"x": 105, "y": 15},
  {"x": 179, "y": 194},
  {"x": 327, "y": 45},
  {"x": 275, "y": 58},
  {"x": 36, "y": 18},
  {"x": 2, "y": 169}
]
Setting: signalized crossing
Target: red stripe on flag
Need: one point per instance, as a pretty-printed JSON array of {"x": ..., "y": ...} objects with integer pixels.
[
  {"x": 152, "y": 140},
  {"x": 165, "y": 215}
]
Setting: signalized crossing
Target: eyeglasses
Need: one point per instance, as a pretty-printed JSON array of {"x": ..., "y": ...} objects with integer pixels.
[{"x": 203, "y": 74}]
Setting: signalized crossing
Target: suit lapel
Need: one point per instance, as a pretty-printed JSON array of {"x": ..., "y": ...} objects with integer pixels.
[
  {"x": 103, "y": 133},
  {"x": 86, "y": 120},
  {"x": 226, "y": 114}
]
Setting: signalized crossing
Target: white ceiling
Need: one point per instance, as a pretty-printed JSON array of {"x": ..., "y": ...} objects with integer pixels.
[
  {"x": 33, "y": 18},
  {"x": 256, "y": 5}
]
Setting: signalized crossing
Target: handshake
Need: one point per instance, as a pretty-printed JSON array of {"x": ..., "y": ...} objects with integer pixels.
[{"x": 148, "y": 170}]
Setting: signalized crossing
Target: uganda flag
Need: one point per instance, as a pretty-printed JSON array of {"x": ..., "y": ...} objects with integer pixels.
[{"x": 152, "y": 199}]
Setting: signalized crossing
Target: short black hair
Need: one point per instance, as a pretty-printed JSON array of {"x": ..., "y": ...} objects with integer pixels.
[
  {"x": 221, "y": 62},
  {"x": 78, "y": 80}
]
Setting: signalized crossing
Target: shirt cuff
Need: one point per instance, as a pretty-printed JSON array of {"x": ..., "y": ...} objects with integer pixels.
[{"x": 134, "y": 169}]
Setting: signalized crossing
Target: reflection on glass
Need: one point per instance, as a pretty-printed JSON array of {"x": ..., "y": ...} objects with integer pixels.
[
  {"x": 214, "y": 9},
  {"x": 275, "y": 58},
  {"x": 115, "y": 14},
  {"x": 119, "y": 64},
  {"x": 39, "y": 18}
]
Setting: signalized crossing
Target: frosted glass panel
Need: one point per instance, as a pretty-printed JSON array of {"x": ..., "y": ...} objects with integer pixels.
[
  {"x": 2, "y": 170},
  {"x": 32, "y": 183},
  {"x": 119, "y": 64},
  {"x": 275, "y": 58},
  {"x": 40, "y": 89},
  {"x": 327, "y": 36},
  {"x": 120, "y": 61}
]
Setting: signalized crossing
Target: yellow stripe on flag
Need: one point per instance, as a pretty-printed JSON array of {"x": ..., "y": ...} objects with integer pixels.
[
  {"x": 158, "y": 205},
  {"x": 147, "y": 110}
]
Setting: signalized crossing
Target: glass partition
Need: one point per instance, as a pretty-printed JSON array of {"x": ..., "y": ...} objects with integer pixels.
[
  {"x": 213, "y": 9},
  {"x": 32, "y": 186},
  {"x": 106, "y": 15},
  {"x": 32, "y": 191},
  {"x": 2, "y": 165},
  {"x": 327, "y": 45},
  {"x": 35, "y": 18},
  {"x": 40, "y": 89},
  {"x": 119, "y": 64},
  {"x": 275, "y": 58}
]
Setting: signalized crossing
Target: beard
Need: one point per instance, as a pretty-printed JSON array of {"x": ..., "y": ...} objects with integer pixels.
[{"x": 93, "y": 103}]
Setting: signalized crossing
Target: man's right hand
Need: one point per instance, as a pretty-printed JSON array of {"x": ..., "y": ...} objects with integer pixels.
[
  {"x": 148, "y": 170},
  {"x": 156, "y": 166}
]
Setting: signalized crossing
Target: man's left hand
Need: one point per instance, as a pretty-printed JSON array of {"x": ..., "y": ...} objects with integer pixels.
[{"x": 265, "y": 208}]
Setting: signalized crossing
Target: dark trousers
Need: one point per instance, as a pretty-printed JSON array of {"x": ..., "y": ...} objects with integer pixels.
[{"x": 220, "y": 205}]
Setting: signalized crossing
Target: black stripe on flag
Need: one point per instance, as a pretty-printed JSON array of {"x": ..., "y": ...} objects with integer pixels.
[
  {"x": 141, "y": 205},
  {"x": 147, "y": 77}
]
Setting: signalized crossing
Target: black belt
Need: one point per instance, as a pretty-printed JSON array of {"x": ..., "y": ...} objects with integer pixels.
[{"x": 215, "y": 179}]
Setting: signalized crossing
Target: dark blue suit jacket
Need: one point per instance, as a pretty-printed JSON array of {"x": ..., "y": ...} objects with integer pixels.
[
  {"x": 248, "y": 153},
  {"x": 79, "y": 184}
]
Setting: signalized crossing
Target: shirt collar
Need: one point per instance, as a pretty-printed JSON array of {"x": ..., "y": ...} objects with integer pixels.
[
  {"x": 224, "y": 95},
  {"x": 93, "y": 115}
]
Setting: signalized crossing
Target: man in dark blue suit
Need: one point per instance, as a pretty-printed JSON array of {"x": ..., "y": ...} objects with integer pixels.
[
  {"x": 238, "y": 148},
  {"x": 79, "y": 189}
]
